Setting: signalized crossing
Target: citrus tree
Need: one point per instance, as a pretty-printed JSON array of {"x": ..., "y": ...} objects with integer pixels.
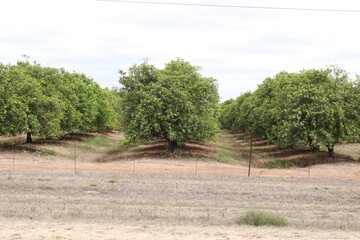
[
  {"x": 175, "y": 103},
  {"x": 312, "y": 109},
  {"x": 45, "y": 101},
  {"x": 318, "y": 108}
]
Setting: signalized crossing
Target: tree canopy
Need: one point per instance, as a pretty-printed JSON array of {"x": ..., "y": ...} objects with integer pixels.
[
  {"x": 176, "y": 103},
  {"x": 46, "y": 101},
  {"x": 315, "y": 107}
]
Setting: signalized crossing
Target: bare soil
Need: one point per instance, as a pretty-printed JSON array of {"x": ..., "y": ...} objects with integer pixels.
[{"x": 74, "y": 154}]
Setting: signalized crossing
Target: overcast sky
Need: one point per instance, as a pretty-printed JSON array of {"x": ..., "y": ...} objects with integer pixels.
[{"x": 239, "y": 47}]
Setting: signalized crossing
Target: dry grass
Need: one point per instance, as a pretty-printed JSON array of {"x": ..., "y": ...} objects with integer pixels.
[
  {"x": 177, "y": 199},
  {"x": 349, "y": 149},
  {"x": 204, "y": 201}
]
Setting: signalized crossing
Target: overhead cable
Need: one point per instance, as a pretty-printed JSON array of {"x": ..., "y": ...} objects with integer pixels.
[{"x": 235, "y": 6}]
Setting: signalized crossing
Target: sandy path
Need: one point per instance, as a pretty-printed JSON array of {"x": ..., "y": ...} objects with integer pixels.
[{"x": 31, "y": 230}]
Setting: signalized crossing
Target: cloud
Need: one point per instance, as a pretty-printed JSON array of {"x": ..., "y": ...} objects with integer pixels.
[{"x": 239, "y": 47}]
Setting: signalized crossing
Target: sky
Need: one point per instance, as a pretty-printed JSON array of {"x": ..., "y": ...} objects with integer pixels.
[{"x": 240, "y": 47}]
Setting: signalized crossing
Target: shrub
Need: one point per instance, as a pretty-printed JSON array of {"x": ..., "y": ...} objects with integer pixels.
[
  {"x": 260, "y": 218},
  {"x": 112, "y": 181}
]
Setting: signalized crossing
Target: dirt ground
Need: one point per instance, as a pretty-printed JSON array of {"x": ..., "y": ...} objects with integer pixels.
[
  {"x": 73, "y": 154},
  {"x": 35, "y": 162},
  {"x": 31, "y": 230}
]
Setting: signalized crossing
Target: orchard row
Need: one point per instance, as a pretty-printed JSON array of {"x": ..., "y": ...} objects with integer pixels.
[{"x": 317, "y": 108}]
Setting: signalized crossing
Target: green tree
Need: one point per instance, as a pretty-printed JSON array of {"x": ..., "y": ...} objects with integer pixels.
[
  {"x": 176, "y": 103},
  {"x": 227, "y": 115},
  {"x": 22, "y": 102},
  {"x": 315, "y": 107},
  {"x": 87, "y": 106},
  {"x": 48, "y": 101},
  {"x": 48, "y": 108},
  {"x": 13, "y": 110},
  {"x": 113, "y": 99},
  {"x": 352, "y": 112},
  {"x": 240, "y": 112}
]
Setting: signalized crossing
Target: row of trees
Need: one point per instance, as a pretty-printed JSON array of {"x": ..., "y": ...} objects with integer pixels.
[
  {"x": 47, "y": 101},
  {"x": 313, "y": 107},
  {"x": 175, "y": 103}
]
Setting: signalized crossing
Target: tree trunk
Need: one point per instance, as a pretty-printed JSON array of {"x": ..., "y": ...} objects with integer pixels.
[
  {"x": 29, "y": 138},
  {"x": 331, "y": 151},
  {"x": 172, "y": 144}
]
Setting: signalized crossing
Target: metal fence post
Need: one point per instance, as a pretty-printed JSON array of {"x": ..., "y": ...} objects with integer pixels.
[
  {"x": 250, "y": 155},
  {"x": 75, "y": 156},
  {"x": 13, "y": 157},
  {"x": 196, "y": 167}
]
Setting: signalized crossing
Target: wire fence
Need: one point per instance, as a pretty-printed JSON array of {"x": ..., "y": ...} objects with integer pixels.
[
  {"x": 16, "y": 161},
  {"x": 33, "y": 162}
]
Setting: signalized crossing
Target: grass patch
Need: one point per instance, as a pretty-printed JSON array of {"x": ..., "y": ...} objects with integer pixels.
[
  {"x": 260, "y": 218},
  {"x": 6, "y": 145},
  {"x": 44, "y": 179},
  {"x": 47, "y": 188},
  {"x": 280, "y": 164},
  {"x": 112, "y": 181},
  {"x": 93, "y": 185},
  {"x": 225, "y": 156},
  {"x": 100, "y": 141},
  {"x": 257, "y": 151},
  {"x": 85, "y": 147},
  {"x": 47, "y": 152},
  {"x": 76, "y": 213},
  {"x": 223, "y": 132},
  {"x": 239, "y": 137},
  {"x": 128, "y": 143},
  {"x": 147, "y": 215}
]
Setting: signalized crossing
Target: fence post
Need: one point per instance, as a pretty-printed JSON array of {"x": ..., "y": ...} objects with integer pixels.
[
  {"x": 13, "y": 157},
  {"x": 196, "y": 167},
  {"x": 250, "y": 155},
  {"x": 75, "y": 156}
]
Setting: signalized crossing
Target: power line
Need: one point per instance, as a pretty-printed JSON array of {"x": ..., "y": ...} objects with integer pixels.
[{"x": 234, "y": 6}]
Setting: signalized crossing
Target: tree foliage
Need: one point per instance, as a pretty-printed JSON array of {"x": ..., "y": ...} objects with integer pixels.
[
  {"x": 46, "y": 101},
  {"x": 176, "y": 103},
  {"x": 314, "y": 107}
]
